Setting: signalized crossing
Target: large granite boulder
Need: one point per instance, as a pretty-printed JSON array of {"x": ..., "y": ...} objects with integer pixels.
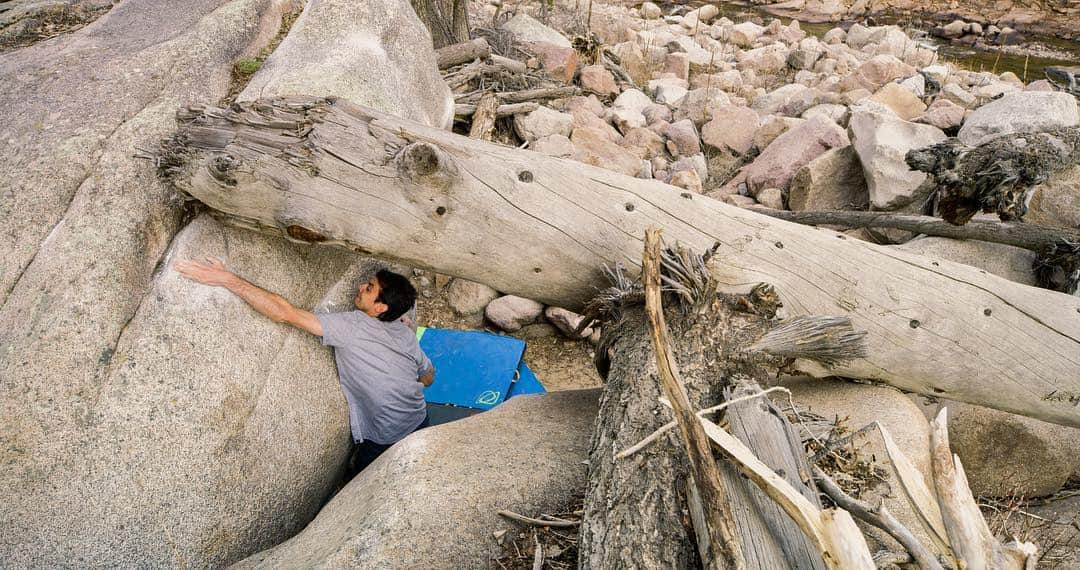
[
  {"x": 881, "y": 139},
  {"x": 431, "y": 500},
  {"x": 1056, "y": 202},
  {"x": 149, "y": 421},
  {"x": 1012, "y": 263},
  {"x": 1006, "y": 455},
  {"x": 1026, "y": 112},
  {"x": 376, "y": 54}
]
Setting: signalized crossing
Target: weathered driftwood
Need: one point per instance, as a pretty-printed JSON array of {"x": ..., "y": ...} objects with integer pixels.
[
  {"x": 466, "y": 110},
  {"x": 1028, "y": 236},
  {"x": 973, "y": 545},
  {"x": 483, "y": 118},
  {"x": 880, "y": 517},
  {"x": 634, "y": 514},
  {"x": 331, "y": 172},
  {"x": 463, "y": 52},
  {"x": 717, "y": 543},
  {"x": 832, "y": 531},
  {"x": 997, "y": 176}
]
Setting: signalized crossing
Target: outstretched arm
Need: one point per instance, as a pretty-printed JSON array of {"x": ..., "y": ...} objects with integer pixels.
[{"x": 274, "y": 306}]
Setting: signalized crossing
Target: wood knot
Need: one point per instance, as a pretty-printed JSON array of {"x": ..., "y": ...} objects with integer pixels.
[
  {"x": 303, "y": 234},
  {"x": 425, "y": 164}
]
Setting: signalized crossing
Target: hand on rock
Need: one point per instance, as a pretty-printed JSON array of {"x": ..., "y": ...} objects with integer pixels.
[{"x": 209, "y": 272}]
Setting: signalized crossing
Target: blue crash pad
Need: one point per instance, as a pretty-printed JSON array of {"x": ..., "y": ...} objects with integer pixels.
[{"x": 472, "y": 369}]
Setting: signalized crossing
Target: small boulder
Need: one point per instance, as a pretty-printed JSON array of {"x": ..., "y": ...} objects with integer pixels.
[
  {"x": 731, "y": 128},
  {"x": 1024, "y": 112},
  {"x": 554, "y": 145},
  {"x": 832, "y": 181},
  {"x": 643, "y": 143},
  {"x": 1007, "y": 455},
  {"x": 836, "y": 113},
  {"x": 778, "y": 163},
  {"x": 744, "y": 34},
  {"x": 772, "y": 126},
  {"x": 677, "y": 64},
  {"x": 1012, "y": 263},
  {"x": 592, "y": 146},
  {"x": 1056, "y": 202},
  {"x": 881, "y": 140},
  {"x": 650, "y": 11},
  {"x": 956, "y": 94},
  {"x": 699, "y": 104},
  {"x": 596, "y": 79},
  {"x": 901, "y": 101},
  {"x": 953, "y": 29},
  {"x": 688, "y": 180},
  {"x": 528, "y": 30},
  {"x": 790, "y": 100},
  {"x": 559, "y": 62},
  {"x": 541, "y": 123},
  {"x": 876, "y": 72},
  {"x": 771, "y": 198},
  {"x": 511, "y": 312},
  {"x": 943, "y": 114},
  {"x": 632, "y": 99},
  {"x": 469, "y": 297},
  {"x": 668, "y": 90},
  {"x": 683, "y": 138},
  {"x": 567, "y": 322}
]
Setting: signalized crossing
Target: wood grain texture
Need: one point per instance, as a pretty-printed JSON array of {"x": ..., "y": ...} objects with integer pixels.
[{"x": 543, "y": 228}]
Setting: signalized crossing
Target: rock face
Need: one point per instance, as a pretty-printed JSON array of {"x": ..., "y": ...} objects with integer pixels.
[
  {"x": 1007, "y": 455},
  {"x": 445, "y": 484},
  {"x": 140, "y": 409},
  {"x": 881, "y": 139},
  {"x": 392, "y": 41},
  {"x": 832, "y": 181},
  {"x": 779, "y": 162},
  {"x": 1026, "y": 112}
]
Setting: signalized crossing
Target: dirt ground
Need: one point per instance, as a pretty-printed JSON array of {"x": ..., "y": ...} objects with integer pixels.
[{"x": 559, "y": 362}]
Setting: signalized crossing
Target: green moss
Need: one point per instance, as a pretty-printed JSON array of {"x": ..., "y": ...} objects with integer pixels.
[{"x": 247, "y": 67}]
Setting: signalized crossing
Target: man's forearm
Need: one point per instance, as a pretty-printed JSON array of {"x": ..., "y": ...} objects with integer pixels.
[{"x": 271, "y": 305}]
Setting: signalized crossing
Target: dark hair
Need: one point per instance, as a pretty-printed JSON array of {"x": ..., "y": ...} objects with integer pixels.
[{"x": 396, "y": 293}]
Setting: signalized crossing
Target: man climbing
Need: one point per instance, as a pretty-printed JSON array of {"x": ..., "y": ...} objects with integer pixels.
[{"x": 382, "y": 369}]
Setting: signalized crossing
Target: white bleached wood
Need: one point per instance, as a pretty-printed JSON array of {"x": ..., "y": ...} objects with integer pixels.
[{"x": 544, "y": 228}]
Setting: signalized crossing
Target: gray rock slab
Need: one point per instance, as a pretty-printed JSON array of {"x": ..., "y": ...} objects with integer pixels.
[
  {"x": 778, "y": 163},
  {"x": 1012, "y": 263},
  {"x": 1026, "y": 112},
  {"x": 527, "y": 29},
  {"x": 431, "y": 500},
  {"x": 146, "y": 421},
  {"x": 375, "y": 53},
  {"x": 881, "y": 139}
]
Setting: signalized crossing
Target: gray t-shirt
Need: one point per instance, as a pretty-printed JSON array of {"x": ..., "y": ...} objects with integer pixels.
[{"x": 378, "y": 364}]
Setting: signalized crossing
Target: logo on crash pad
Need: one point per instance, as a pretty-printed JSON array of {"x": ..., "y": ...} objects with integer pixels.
[{"x": 488, "y": 398}]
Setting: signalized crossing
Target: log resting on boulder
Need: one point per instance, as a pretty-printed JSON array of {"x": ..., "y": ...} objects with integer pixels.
[{"x": 328, "y": 171}]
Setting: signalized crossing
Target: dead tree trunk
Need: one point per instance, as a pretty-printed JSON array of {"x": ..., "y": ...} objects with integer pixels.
[
  {"x": 635, "y": 507},
  {"x": 327, "y": 171},
  {"x": 447, "y": 20}
]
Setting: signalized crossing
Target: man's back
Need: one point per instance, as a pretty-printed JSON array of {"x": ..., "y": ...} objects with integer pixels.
[{"x": 378, "y": 364}]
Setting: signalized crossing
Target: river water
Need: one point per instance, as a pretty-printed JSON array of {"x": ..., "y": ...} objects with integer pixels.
[{"x": 1054, "y": 52}]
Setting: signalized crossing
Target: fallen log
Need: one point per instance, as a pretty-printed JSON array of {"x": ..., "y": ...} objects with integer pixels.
[
  {"x": 466, "y": 110},
  {"x": 331, "y": 172},
  {"x": 1028, "y": 236},
  {"x": 463, "y": 52}
]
